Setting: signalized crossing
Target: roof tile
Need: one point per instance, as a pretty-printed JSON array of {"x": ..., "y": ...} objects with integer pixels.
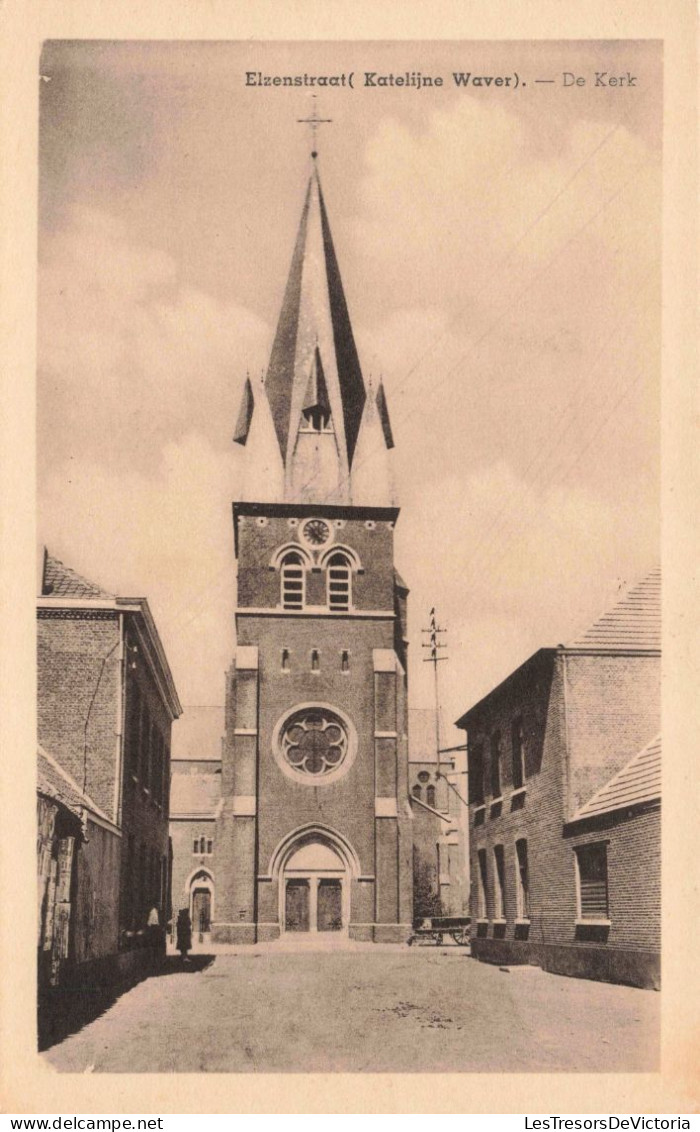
[
  {"x": 634, "y": 623},
  {"x": 60, "y": 581},
  {"x": 639, "y": 781}
]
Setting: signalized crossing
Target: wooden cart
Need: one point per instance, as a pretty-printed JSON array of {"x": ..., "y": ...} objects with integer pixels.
[{"x": 435, "y": 929}]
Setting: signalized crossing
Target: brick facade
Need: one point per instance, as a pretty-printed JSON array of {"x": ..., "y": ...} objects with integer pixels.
[
  {"x": 349, "y": 662},
  {"x": 105, "y": 707},
  {"x": 79, "y": 680},
  {"x": 440, "y": 868},
  {"x": 580, "y": 716},
  {"x": 195, "y": 797}
]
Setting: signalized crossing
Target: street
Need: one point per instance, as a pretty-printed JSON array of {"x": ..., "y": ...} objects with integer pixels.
[{"x": 370, "y": 1008}]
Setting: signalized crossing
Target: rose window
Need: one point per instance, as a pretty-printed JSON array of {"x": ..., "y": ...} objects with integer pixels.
[{"x": 314, "y": 742}]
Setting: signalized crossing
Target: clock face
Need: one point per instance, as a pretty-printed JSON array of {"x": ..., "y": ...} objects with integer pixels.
[{"x": 316, "y": 532}]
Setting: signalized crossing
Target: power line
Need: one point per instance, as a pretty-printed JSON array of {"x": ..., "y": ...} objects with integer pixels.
[
  {"x": 529, "y": 228},
  {"x": 540, "y": 459},
  {"x": 510, "y": 302},
  {"x": 625, "y": 393}
]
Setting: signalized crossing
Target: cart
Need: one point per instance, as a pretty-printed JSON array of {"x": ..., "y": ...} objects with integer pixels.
[{"x": 436, "y": 928}]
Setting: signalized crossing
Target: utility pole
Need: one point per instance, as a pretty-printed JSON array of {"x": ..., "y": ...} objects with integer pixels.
[{"x": 435, "y": 644}]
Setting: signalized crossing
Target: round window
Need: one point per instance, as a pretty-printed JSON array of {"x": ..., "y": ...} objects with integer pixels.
[{"x": 315, "y": 744}]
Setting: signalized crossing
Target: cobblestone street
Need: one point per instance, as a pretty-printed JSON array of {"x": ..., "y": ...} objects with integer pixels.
[{"x": 372, "y": 1008}]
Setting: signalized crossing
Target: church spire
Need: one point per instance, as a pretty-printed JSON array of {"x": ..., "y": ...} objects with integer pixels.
[{"x": 314, "y": 388}]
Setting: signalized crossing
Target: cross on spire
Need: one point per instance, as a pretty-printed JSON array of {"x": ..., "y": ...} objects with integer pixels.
[{"x": 313, "y": 121}]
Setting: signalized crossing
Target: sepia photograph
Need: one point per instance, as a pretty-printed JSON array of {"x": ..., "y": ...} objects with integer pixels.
[{"x": 348, "y": 556}]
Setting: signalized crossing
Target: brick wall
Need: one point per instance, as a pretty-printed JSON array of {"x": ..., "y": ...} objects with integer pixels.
[
  {"x": 145, "y": 796},
  {"x": 185, "y": 861},
  {"x": 260, "y": 537},
  {"x": 606, "y": 708},
  {"x": 633, "y": 841},
  {"x": 328, "y": 660},
  {"x": 77, "y": 703},
  {"x": 348, "y": 804},
  {"x": 438, "y": 848},
  {"x": 613, "y": 710},
  {"x": 96, "y": 909},
  {"x": 534, "y": 694}
]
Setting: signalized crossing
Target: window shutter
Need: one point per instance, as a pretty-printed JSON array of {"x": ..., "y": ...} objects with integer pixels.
[
  {"x": 594, "y": 899},
  {"x": 593, "y": 882}
]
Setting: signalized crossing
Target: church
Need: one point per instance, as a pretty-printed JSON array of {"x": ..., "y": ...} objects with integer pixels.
[{"x": 313, "y": 830}]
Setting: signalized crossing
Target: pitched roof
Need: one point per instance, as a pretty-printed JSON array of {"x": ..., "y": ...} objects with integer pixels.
[
  {"x": 314, "y": 318},
  {"x": 197, "y": 733},
  {"x": 639, "y": 781},
  {"x": 60, "y": 584},
  {"x": 60, "y": 581},
  {"x": 57, "y": 783},
  {"x": 634, "y": 623},
  {"x": 194, "y": 793}
]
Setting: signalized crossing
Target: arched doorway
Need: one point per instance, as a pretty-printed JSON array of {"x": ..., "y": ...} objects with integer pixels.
[
  {"x": 314, "y": 889},
  {"x": 201, "y": 894}
]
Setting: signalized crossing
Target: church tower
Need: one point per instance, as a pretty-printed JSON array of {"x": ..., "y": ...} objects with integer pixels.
[{"x": 313, "y": 832}]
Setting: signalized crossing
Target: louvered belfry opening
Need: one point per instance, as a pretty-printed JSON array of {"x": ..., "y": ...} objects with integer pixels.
[
  {"x": 339, "y": 577},
  {"x": 292, "y": 581}
]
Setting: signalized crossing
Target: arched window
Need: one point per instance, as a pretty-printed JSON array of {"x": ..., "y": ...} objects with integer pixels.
[
  {"x": 345, "y": 661},
  {"x": 315, "y": 661},
  {"x": 417, "y": 792},
  {"x": 339, "y": 582},
  {"x": 285, "y": 660},
  {"x": 430, "y": 795},
  {"x": 292, "y": 574}
]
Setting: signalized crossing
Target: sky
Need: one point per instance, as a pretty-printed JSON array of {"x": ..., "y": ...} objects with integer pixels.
[{"x": 500, "y": 252}]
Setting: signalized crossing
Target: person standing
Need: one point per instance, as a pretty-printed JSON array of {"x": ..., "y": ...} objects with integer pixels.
[{"x": 184, "y": 932}]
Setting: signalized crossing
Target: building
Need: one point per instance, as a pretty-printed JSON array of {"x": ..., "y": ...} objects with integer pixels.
[
  {"x": 78, "y": 858},
  {"x": 195, "y": 795},
  {"x": 106, "y": 701},
  {"x": 564, "y": 792},
  {"x": 314, "y": 830},
  {"x": 437, "y": 797}
]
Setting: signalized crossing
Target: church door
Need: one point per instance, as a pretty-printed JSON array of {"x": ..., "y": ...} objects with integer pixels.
[
  {"x": 296, "y": 917},
  {"x": 330, "y": 905},
  {"x": 201, "y": 910},
  {"x": 316, "y": 889}
]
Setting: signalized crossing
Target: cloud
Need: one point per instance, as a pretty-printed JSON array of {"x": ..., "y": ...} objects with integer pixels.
[
  {"x": 166, "y": 536},
  {"x": 504, "y": 295},
  {"x": 513, "y": 567},
  {"x": 464, "y": 207},
  {"x": 517, "y": 312},
  {"x": 130, "y": 356}
]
